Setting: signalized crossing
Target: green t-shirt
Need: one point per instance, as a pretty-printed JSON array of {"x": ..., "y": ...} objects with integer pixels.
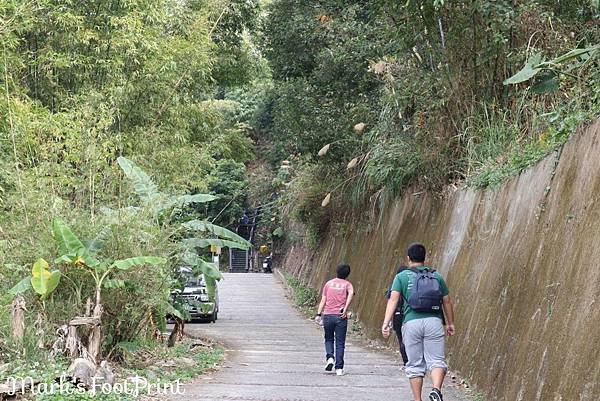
[{"x": 403, "y": 283}]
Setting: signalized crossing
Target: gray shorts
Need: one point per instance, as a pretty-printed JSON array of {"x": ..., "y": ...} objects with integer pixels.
[{"x": 424, "y": 340}]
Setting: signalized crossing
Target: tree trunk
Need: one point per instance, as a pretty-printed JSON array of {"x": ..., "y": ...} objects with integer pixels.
[
  {"x": 18, "y": 318},
  {"x": 40, "y": 324},
  {"x": 177, "y": 333},
  {"x": 72, "y": 343},
  {"x": 88, "y": 307},
  {"x": 95, "y": 337}
]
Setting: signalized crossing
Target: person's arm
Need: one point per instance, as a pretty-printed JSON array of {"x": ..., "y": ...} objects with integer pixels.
[
  {"x": 390, "y": 309},
  {"x": 449, "y": 314},
  {"x": 321, "y": 305},
  {"x": 348, "y": 300},
  {"x": 318, "y": 318}
]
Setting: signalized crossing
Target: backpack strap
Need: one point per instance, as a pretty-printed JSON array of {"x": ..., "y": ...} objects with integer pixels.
[
  {"x": 404, "y": 299},
  {"x": 416, "y": 271},
  {"x": 426, "y": 269}
]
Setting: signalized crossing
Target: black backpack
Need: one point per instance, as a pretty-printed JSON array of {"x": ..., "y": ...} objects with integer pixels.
[{"x": 426, "y": 293}]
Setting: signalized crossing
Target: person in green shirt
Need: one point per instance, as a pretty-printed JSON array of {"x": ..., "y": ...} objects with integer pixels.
[{"x": 423, "y": 332}]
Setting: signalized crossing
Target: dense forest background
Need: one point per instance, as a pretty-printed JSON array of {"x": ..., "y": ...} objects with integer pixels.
[
  {"x": 370, "y": 98},
  {"x": 317, "y": 109},
  {"x": 82, "y": 84}
]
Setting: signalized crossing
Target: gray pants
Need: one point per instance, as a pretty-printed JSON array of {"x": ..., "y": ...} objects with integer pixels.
[{"x": 424, "y": 340}]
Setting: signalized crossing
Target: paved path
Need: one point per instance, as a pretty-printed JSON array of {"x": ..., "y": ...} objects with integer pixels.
[{"x": 275, "y": 354}]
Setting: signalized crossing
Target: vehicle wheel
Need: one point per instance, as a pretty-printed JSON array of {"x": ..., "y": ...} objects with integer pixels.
[{"x": 214, "y": 317}]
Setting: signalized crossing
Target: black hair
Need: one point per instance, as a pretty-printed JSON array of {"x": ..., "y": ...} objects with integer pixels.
[
  {"x": 343, "y": 271},
  {"x": 416, "y": 252}
]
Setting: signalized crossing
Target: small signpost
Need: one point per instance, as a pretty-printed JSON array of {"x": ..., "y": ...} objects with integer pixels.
[{"x": 216, "y": 252}]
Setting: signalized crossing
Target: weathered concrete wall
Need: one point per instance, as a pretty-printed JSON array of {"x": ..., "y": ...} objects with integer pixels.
[{"x": 523, "y": 266}]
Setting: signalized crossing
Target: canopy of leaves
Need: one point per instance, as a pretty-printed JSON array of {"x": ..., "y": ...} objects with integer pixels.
[
  {"x": 91, "y": 94},
  {"x": 424, "y": 81}
]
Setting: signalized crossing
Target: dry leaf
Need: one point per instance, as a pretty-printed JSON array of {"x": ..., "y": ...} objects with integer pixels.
[
  {"x": 379, "y": 67},
  {"x": 414, "y": 49},
  {"x": 352, "y": 163},
  {"x": 359, "y": 128},
  {"x": 324, "y": 150},
  {"x": 326, "y": 200},
  {"x": 324, "y": 18}
]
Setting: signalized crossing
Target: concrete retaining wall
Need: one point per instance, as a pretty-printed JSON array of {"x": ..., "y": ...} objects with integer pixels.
[{"x": 523, "y": 265}]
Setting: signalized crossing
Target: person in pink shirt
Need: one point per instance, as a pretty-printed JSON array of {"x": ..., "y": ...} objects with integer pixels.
[{"x": 332, "y": 312}]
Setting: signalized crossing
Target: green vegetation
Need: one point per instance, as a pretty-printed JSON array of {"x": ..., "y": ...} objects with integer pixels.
[
  {"x": 150, "y": 361},
  {"x": 92, "y": 95},
  {"x": 371, "y": 98},
  {"x": 156, "y": 364},
  {"x": 479, "y": 397},
  {"x": 134, "y": 134},
  {"x": 305, "y": 298}
]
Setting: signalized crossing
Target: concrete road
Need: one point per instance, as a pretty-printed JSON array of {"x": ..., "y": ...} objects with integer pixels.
[{"x": 276, "y": 354}]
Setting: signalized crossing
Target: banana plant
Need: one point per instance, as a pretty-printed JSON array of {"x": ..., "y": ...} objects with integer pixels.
[
  {"x": 43, "y": 280},
  {"x": 161, "y": 203},
  {"x": 202, "y": 234},
  {"x": 200, "y": 266},
  {"x": 547, "y": 72},
  {"x": 77, "y": 255},
  {"x": 149, "y": 194}
]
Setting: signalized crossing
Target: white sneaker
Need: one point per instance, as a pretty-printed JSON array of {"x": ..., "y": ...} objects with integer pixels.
[
  {"x": 329, "y": 364},
  {"x": 339, "y": 372}
]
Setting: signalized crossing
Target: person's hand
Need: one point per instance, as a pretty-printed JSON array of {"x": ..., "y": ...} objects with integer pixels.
[
  {"x": 318, "y": 320},
  {"x": 344, "y": 314},
  {"x": 450, "y": 330},
  {"x": 385, "y": 330}
]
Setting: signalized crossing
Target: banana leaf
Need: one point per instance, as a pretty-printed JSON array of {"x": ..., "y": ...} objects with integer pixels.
[
  {"x": 143, "y": 185},
  {"x": 200, "y": 225},
  {"x": 66, "y": 240},
  {"x": 126, "y": 264},
  {"x": 43, "y": 280},
  {"x": 206, "y": 242},
  {"x": 210, "y": 270},
  {"x": 21, "y": 287},
  {"x": 71, "y": 248}
]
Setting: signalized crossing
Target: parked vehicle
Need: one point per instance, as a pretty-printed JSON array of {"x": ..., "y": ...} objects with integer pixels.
[
  {"x": 267, "y": 264},
  {"x": 195, "y": 298}
]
